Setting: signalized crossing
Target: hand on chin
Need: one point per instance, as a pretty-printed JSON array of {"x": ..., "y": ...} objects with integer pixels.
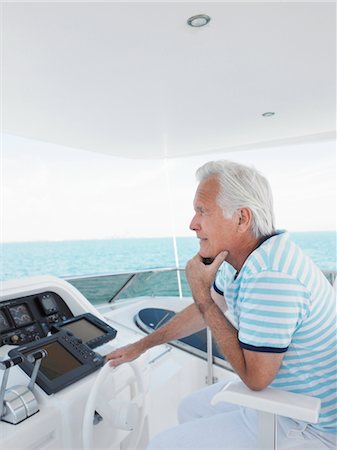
[{"x": 207, "y": 260}]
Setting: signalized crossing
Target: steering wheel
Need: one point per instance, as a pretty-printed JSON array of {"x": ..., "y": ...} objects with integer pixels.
[{"x": 125, "y": 418}]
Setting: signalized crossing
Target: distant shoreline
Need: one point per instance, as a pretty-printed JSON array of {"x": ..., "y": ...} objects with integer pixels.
[{"x": 139, "y": 237}]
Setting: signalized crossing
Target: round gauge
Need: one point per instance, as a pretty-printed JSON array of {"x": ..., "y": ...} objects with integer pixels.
[
  {"x": 20, "y": 314},
  {"x": 4, "y": 324}
]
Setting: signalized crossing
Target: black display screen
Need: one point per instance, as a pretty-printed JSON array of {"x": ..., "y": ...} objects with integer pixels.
[
  {"x": 58, "y": 362},
  {"x": 21, "y": 315},
  {"x": 4, "y": 324},
  {"x": 85, "y": 330},
  {"x": 48, "y": 303}
]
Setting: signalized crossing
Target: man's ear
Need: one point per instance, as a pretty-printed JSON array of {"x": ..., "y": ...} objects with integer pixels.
[{"x": 244, "y": 219}]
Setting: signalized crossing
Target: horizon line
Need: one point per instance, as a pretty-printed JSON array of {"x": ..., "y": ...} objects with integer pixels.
[{"x": 134, "y": 237}]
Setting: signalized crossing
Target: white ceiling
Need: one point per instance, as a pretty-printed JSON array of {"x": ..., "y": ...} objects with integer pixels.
[{"x": 133, "y": 80}]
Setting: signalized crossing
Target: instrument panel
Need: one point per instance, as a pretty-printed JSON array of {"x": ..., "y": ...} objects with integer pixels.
[
  {"x": 44, "y": 323},
  {"x": 31, "y": 318}
]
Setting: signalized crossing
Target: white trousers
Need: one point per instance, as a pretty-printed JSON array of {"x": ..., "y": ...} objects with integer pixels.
[{"x": 225, "y": 426}]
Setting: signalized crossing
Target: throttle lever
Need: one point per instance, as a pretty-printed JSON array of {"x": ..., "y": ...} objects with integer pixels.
[
  {"x": 6, "y": 365},
  {"x": 36, "y": 359}
]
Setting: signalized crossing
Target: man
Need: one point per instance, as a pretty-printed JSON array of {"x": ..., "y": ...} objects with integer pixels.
[{"x": 282, "y": 310}]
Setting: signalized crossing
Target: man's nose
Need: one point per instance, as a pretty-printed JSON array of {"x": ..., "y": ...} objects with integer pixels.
[{"x": 194, "y": 225}]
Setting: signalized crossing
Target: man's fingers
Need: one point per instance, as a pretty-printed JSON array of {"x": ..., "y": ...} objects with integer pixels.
[
  {"x": 115, "y": 359},
  {"x": 111, "y": 355},
  {"x": 114, "y": 356},
  {"x": 115, "y": 362},
  {"x": 219, "y": 259},
  {"x": 122, "y": 355}
]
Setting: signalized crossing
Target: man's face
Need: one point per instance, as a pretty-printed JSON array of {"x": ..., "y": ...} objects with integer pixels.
[{"x": 216, "y": 233}]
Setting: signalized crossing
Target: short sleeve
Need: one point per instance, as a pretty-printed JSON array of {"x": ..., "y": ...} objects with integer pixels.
[
  {"x": 225, "y": 272},
  {"x": 271, "y": 306}
]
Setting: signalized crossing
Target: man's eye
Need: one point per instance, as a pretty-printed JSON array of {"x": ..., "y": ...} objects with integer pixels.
[{"x": 201, "y": 211}]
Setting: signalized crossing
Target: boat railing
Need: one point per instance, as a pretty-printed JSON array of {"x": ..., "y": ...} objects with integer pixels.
[
  {"x": 159, "y": 282},
  {"x": 108, "y": 288}
]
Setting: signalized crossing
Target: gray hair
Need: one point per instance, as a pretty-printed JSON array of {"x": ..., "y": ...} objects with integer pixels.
[{"x": 242, "y": 187}]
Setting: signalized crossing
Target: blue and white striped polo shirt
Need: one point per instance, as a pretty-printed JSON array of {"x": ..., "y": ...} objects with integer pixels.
[{"x": 281, "y": 302}]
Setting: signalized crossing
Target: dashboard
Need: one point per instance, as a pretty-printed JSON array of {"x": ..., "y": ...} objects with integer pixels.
[
  {"x": 43, "y": 324},
  {"x": 30, "y": 318}
]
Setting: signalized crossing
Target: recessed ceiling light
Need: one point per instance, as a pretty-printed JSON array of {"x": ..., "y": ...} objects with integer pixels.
[
  {"x": 199, "y": 20},
  {"x": 268, "y": 114}
]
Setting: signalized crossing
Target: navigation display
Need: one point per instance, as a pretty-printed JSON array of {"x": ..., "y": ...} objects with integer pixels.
[
  {"x": 20, "y": 314},
  {"x": 85, "y": 330},
  {"x": 90, "y": 329},
  {"x": 4, "y": 324},
  {"x": 58, "y": 361},
  {"x": 67, "y": 360}
]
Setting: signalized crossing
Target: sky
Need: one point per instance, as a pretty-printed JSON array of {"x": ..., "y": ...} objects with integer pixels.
[{"x": 53, "y": 193}]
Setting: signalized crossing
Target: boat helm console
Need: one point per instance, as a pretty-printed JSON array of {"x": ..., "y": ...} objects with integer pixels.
[
  {"x": 51, "y": 352},
  {"x": 67, "y": 360},
  {"x": 44, "y": 323}
]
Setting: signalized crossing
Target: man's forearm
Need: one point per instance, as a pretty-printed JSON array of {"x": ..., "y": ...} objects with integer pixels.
[
  {"x": 225, "y": 335},
  {"x": 256, "y": 369},
  {"x": 183, "y": 324}
]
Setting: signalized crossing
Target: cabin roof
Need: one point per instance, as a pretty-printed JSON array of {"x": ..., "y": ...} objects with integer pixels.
[{"x": 134, "y": 80}]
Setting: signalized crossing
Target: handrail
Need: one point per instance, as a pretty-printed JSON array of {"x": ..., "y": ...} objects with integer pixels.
[
  {"x": 125, "y": 285},
  {"x": 108, "y": 288},
  {"x": 331, "y": 275},
  {"x": 135, "y": 272}
]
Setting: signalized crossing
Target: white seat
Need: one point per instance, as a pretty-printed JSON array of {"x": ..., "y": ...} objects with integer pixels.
[{"x": 270, "y": 403}]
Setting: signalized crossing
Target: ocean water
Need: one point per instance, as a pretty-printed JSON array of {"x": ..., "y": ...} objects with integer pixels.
[{"x": 93, "y": 257}]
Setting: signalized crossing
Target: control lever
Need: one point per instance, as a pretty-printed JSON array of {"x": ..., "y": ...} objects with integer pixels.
[
  {"x": 18, "y": 402},
  {"x": 6, "y": 365},
  {"x": 36, "y": 359}
]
